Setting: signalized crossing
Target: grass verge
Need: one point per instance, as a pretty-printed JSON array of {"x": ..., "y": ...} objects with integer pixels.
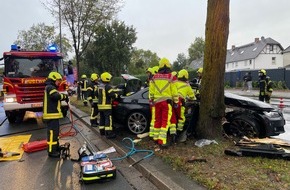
[{"x": 220, "y": 171}]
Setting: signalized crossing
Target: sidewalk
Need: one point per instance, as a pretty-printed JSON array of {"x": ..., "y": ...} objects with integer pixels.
[
  {"x": 255, "y": 93},
  {"x": 154, "y": 169}
]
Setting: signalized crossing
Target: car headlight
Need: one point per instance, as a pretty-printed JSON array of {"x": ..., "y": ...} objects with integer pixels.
[
  {"x": 272, "y": 114},
  {"x": 10, "y": 100}
]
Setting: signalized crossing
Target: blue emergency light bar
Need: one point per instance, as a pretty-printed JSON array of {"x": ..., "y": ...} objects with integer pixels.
[
  {"x": 14, "y": 47},
  {"x": 52, "y": 48}
]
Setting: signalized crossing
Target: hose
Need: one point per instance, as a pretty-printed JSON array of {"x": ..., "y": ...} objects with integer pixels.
[
  {"x": 71, "y": 130},
  {"x": 133, "y": 150}
]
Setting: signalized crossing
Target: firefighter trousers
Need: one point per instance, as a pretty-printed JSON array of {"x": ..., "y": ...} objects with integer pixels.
[
  {"x": 94, "y": 114},
  {"x": 53, "y": 136}
]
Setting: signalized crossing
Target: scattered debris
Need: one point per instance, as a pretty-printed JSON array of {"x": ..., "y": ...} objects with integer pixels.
[
  {"x": 203, "y": 142},
  {"x": 194, "y": 159}
]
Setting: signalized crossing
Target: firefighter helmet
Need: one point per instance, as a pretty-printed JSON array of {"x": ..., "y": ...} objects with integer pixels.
[
  {"x": 200, "y": 70},
  {"x": 54, "y": 76},
  {"x": 149, "y": 70},
  {"x": 84, "y": 76},
  {"x": 183, "y": 74},
  {"x": 155, "y": 69},
  {"x": 263, "y": 71},
  {"x": 106, "y": 77},
  {"x": 174, "y": 73},
  {"x": 94, "y": 76},
  {"x": 164, "y": 62}
]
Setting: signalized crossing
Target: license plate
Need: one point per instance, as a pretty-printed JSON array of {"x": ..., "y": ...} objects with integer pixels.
[{"x": 36, "y": 105}]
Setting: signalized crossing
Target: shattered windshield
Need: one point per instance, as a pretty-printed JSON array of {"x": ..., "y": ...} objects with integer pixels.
[{"x": 24, "y": 67}]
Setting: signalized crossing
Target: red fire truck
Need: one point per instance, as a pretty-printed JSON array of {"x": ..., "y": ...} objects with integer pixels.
[{"x": 23, "y": 80}]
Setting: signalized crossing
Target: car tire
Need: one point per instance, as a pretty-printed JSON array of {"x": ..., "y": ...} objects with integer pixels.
[
  {"x": 137, "y": 122},
  {"x": 243, "y": 125}
]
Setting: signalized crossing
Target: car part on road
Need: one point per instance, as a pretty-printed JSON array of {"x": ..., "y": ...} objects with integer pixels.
[{"x": 262, "y": 150}]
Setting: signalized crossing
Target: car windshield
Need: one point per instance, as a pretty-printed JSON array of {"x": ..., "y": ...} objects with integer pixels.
[{"x": 27, "y": 67}]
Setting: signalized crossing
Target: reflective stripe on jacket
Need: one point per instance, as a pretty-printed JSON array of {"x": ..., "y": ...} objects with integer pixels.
[
  {"x": 51, "y": 103},
  {"x": 106, "y": 94},
  {"x": 162, "y": 87},
  {"x": 184, "y": 90}
]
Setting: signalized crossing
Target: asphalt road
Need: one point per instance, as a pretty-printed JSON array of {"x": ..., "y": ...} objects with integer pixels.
[{"x": 36, "y": 171}]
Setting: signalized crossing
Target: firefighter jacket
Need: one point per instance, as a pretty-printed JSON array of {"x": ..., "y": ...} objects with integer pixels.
[
  {"x": 184, "y": 90},
  {"x": 269, "y": 87},
  {"x": 262, "y": 85},
  {"x": 51, "y": 101},
  {"x": 83, "y": 84},
  {"x": 162, "y": 88},
  {"x": 106, "y": 94},
  {"x": 92, "y": 91}
]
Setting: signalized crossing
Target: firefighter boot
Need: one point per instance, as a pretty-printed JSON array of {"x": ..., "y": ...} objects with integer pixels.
[
  {"x": 54, "y": 152},
  {"x": 102, "y": 132},
  {"x": 94, "y": 123},
  {"x": 173, "y": 139},
  {"x": 110, "y": 135}
]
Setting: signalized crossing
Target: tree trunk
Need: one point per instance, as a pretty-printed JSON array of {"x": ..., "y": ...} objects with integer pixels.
[{"x": 212, "y": 107}]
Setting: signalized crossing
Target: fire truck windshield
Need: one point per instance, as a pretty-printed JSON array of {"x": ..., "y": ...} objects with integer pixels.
[{"x": 27, "y": 67}]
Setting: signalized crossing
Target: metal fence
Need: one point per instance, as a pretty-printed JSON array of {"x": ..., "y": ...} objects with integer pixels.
[{"x": 280, "y": 74}]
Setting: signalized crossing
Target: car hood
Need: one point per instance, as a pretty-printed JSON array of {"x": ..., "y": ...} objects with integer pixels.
[{"x": 245, "y": 102}]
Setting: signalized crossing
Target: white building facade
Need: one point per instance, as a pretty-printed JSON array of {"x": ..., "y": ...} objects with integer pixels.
[{"x": 264, "y": 53}]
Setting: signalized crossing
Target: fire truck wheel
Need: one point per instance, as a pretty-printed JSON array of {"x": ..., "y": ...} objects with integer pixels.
[{"x": 11, "y": 117}]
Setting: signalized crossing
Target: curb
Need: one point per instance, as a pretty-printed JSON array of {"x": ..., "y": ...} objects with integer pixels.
[{"x": 157, "y": 172}]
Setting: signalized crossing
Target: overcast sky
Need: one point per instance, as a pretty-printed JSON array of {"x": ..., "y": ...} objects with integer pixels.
[{"x": 166, "y": 27}]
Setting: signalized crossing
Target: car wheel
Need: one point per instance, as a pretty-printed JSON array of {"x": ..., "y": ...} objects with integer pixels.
[
  {"x": 243, "y": 125},
  {"x": 137, "y": 122}
]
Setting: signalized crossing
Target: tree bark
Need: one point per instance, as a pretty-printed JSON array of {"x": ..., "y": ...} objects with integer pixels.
[{"x": 212, "y": 107}]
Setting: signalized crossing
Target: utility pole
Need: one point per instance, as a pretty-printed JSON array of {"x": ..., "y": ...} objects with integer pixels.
[{"x": 59, "y": 20}]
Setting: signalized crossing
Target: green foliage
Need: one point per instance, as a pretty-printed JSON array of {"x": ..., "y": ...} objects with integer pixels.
[
  {"x": 227, "y": 84},
  {"x": 39, "y": 36},
  {"x": 141, "y": 60},
  {"x": 180, "y": 63},
  {"x": 111, "y": 48},
  {"x": 196, "y": 49}
]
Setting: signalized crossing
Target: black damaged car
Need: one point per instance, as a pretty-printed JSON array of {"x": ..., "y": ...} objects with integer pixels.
[{"x": 245, "y": 116}]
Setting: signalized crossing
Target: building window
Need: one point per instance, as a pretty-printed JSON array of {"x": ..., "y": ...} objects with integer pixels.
[
  {"x": 250, "y": 62},
  {"x": 271, "y": 47},
  {"x": 273, "y": 60},
  {"x": 245, "y": 63},
  {"x": 236, "y": 64}
]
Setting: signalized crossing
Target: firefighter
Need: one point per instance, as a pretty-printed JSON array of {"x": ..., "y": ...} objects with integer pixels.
[
  {"x": 199, "y": 77},
  {"x": 92, "y": 92},
  {"x": 83, "y": 87},
  {"x": 163, "y": 95},
  {"x": 52, "y": 112},
  {"x": 185, "y": 93},
  {"x": 262, "y": 85},
  {"x": 106, "y": 94},
  {"x": 152, "y": 71},
  {"x": 269, "y": 89},
  {"x": 149, "y": 73}
]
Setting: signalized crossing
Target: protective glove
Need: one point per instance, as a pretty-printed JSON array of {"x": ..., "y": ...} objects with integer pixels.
[{"x": 65, "y": 98}]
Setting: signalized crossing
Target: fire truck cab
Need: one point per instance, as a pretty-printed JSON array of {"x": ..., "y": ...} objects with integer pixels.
[{"x": 24, "y": 75}]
